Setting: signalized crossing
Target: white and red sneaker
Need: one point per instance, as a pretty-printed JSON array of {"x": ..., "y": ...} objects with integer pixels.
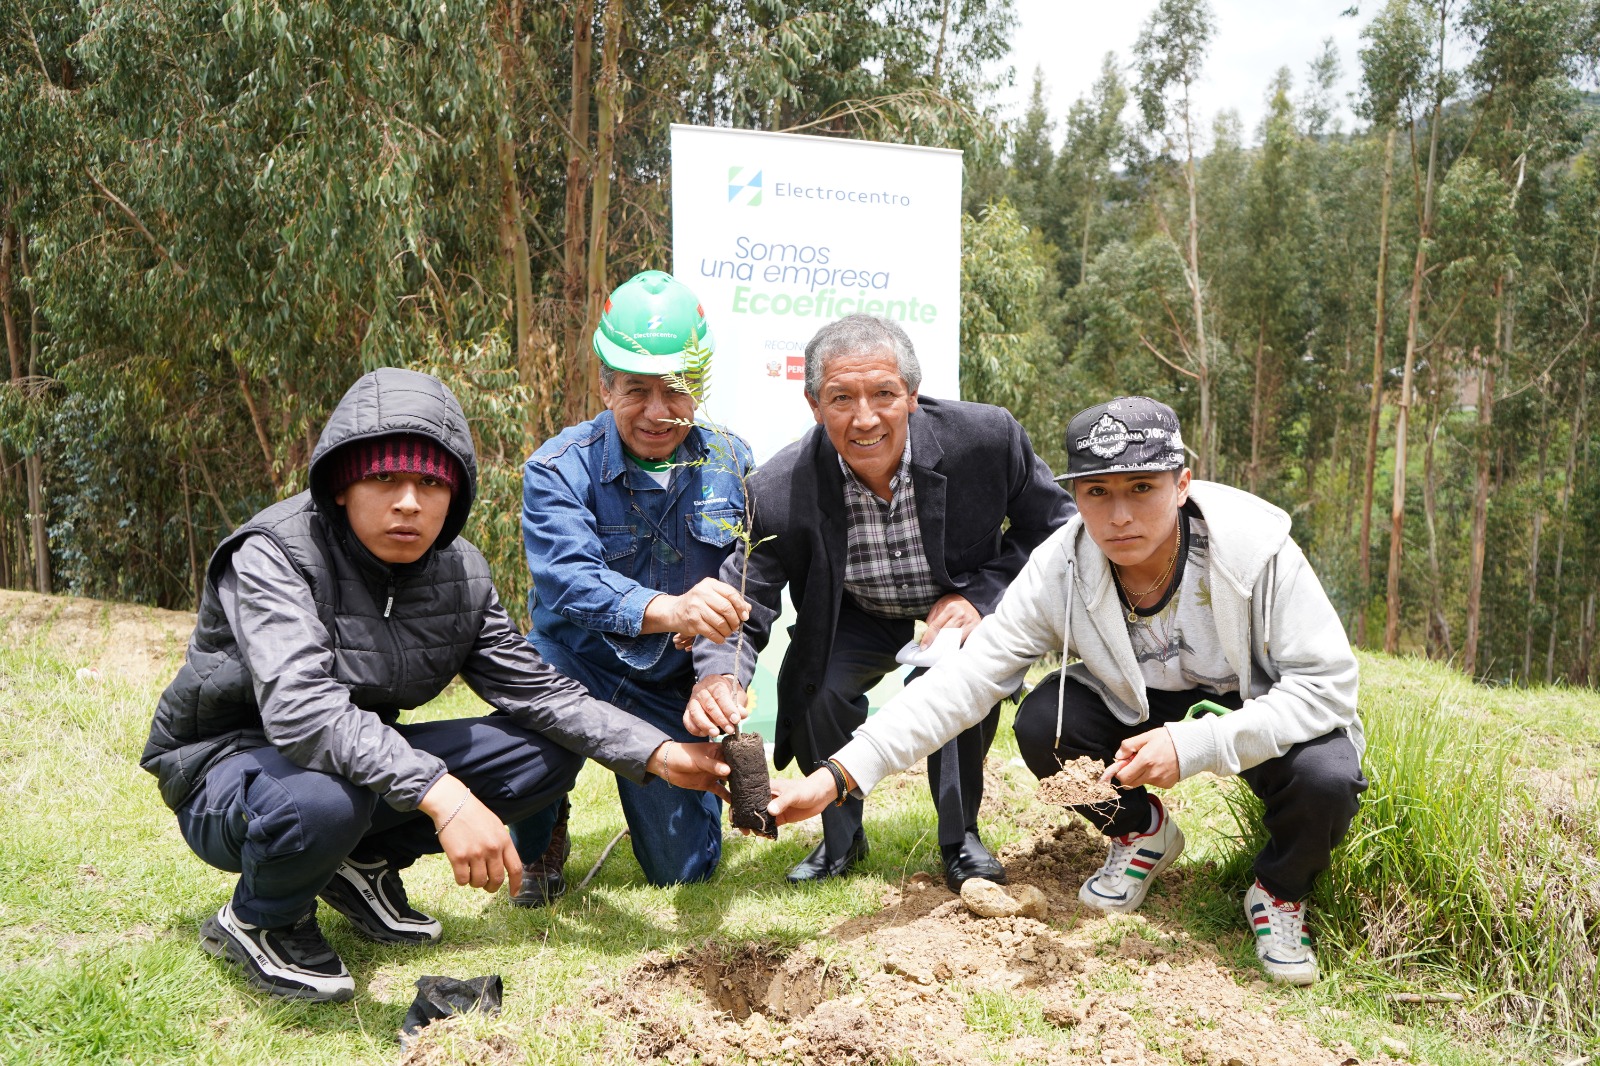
[
  {"x": 1282, "y": 942},
  {"x": 1132, "y": 864}
]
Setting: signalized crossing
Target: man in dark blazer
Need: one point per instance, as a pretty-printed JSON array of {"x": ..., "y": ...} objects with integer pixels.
[{"x": 894, "y": 508}]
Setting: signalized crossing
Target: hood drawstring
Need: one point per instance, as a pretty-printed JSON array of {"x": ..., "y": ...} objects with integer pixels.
[{"x": 1066, "y": 642}]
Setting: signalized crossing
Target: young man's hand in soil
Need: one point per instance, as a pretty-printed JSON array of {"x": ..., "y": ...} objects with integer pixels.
[
  {"x": 716, "y": 706},
  {"x": 696, "y": 766}
]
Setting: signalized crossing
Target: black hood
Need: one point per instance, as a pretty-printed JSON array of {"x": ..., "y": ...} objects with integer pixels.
[{"x": 390, "y": 400}]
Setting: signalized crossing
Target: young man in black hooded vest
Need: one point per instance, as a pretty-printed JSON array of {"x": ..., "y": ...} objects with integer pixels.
[{"x": 323, "y": 617}]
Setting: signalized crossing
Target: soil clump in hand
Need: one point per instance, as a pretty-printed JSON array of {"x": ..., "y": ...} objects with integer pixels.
[
  {"x": 749, "y": 784},
  {"x": 1077, "y": 784}
]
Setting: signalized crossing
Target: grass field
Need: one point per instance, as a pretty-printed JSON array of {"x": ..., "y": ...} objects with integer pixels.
[{"x": 1472, "y": 871}]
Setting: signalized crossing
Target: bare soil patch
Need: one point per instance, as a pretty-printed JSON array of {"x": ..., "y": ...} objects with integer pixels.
[
  {"x": 924, "y": 980},
  {"x": 119, "y": 641},
  {"x": 455, "y": 1040}
]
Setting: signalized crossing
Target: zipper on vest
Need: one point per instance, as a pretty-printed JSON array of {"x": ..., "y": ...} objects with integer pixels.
[{"x": 388, "y": 603}]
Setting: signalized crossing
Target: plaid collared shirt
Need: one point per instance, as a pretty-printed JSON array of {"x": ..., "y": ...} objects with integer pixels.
[{"x": 886, "y": 567}]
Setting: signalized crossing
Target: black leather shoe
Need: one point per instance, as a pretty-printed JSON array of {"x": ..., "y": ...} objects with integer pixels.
[
  {"x": 819, "y": 865},
  {"x": 969, "y": 859},
  {"x": 544, "y": 880}
]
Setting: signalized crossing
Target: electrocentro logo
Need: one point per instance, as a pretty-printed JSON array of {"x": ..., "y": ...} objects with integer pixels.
[{"x": 744, "y": 186}]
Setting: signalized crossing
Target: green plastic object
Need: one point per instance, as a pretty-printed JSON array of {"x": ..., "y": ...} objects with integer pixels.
[
  {"x": 647, "y": 324},
  {"x": 1206, "y": 707}
]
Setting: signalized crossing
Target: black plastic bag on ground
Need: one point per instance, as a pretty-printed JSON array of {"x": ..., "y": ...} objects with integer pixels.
[{"x": 440, "y": 997}]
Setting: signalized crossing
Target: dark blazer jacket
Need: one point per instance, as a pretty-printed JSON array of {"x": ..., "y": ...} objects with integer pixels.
[{"x": 973, "y": 468}]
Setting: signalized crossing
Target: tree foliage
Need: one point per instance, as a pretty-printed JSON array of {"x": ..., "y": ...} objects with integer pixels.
[{"x": 214, "y": 215}]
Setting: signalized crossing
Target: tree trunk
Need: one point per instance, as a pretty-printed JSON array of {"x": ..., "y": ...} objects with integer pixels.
[
  {"x": 188, "y": 536},
  {"x": 610, "y": 86},
  {"x": 513, "y": 235},
  {"x": 1578, "y": 429},
  {"x": 261, "y": 431},
  {"x": 1584, "y": 670},
  {"x": 5, "y": 540},
  {"x": 1257, "y": 415},
  {"x": 32, "y": 464},
  {"x": 1375, "y": 402},
  {"x": 1206, "y": 459},
  {"x": 1088, "y": 218},
  {"x": 574, "y": 287},
  {"x": 1397, "y": 511},
  {"x": 1480, "y": 494},
  {"x": 1534, "y": 552},
  {"x": 1439, "y": 643}
]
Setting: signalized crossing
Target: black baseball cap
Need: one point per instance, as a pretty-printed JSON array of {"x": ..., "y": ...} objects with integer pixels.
[{"x": 1128, "y": 435}]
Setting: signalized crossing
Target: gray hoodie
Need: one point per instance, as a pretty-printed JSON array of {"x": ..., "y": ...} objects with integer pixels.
[
  {"x": 309, "y": 643},
  {"x": 1297, "y": 673}
]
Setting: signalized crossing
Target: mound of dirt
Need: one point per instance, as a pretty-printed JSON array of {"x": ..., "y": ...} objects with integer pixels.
[
  {"x": 1077, "y": 783},
  {"x": 120, "y": 641},
  {"x": 925, "y": 980}
]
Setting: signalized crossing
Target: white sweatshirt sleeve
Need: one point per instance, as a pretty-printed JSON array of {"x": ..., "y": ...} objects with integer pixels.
[{"x": 958, "y": 692}]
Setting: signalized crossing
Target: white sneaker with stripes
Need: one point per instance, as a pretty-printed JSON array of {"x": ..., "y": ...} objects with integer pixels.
[
  {"x": 1283, "y": 943},
  {"x": 1132, "y": 864}
]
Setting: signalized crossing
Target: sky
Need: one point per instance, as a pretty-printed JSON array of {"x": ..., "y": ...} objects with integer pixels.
[{"x": 1067, "y": 38}]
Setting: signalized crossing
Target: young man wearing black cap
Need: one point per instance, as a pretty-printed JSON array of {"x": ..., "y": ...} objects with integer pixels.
[
  {"x": 1205, "y": 644},
  {"x": 324, "y": 616}
]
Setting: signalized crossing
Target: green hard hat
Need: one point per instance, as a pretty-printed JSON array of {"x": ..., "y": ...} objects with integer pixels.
[{"x": 648, "y": 322}]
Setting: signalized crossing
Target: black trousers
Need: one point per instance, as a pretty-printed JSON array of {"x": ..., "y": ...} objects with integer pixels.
[
  {"x": 864, "y": 648},
  {"x": 1311, "y": 792},
  {"x": 285, "y": 829}
]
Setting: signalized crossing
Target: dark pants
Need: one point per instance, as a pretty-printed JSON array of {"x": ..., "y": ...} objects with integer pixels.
[
  {"x": 285, "y": 829},
  {"x": 1311, "y": 792},
  {"x": 864, "y": 648}
]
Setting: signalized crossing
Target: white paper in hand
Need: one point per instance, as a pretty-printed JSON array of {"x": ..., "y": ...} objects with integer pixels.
[{"x": 945, "y": 642}]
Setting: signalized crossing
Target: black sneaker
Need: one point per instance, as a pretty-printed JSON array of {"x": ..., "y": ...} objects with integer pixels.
[
  {"x": 545, "y": 880},
  {"x": 293, "y": 962},
  {"x": 372, "y": 897}
]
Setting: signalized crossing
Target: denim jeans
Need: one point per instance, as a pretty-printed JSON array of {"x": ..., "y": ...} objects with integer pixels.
[
  {"x": 676, "y": 832},
  {"x": 285, "y": 829}
]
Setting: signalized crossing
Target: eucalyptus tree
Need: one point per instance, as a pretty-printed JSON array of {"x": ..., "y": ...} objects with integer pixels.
[
  {"x": 1169, "y": 54},
  {"x": 1275, "y": 235},
  {"x": 1096, "y": 147},
  {"x": 1527, "y": 53},
  {"x": 1439, "y": 83},
  {"x": 1004, "y": 280},
  {"x": 1391, "y": 87}
]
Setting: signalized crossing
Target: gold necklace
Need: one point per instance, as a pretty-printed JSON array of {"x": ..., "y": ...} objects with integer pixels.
[{"x": 1133, "y": 601}]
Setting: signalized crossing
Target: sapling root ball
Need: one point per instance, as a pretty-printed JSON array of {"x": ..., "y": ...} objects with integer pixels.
[{"x": 749, "y": 783}]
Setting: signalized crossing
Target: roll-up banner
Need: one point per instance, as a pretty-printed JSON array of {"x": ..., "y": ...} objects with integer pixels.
[{"x": 780, "y": 234}]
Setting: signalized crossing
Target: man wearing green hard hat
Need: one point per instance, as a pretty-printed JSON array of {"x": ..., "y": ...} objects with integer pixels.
[{"x": 624, "y": 519}]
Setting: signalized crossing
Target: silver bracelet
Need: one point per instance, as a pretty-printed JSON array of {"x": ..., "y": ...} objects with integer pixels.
[{"x": 447, "y": 821}]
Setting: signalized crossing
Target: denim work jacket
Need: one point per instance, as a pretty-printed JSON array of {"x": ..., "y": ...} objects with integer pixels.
[{"x": 603, "y": 539}]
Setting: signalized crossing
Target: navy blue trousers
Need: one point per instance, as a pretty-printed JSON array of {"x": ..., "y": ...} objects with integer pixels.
[
  {"x": 1311, "y": 792},
  {"x": 285, "y": 829}
]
